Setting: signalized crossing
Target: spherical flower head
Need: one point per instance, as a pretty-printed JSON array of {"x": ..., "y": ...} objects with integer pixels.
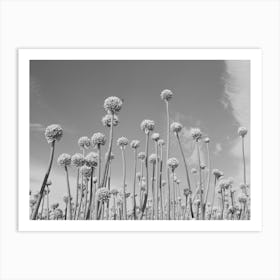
[
  {"x": 106, "y": 120},
  {"x": 173, "y": 163},
  {"x": 206, "y": 140},
  {"x": 46, "y": 191},
  {"x": 77, "y": 160},
  {"x": 161, "y": 142},
  {"x": 84, "y": 142},
  {"x": 217, "y": 173},
  {"x": 58, "y": 214},
  {"x": 49, "y": 182},
  {"x": 166, "y": 94},
  {"x": 102, "y": 194},
  {"x": 141, "y": 155},
  {"x": 94, "y": 180},
  {"x": 242, "y": 131},
  {"x": 54, "y": 206},
  {"x": 193, "y": 171},
  {"x": 98, "y": 139},
  {"x": 178, "y": 181},
  {"x": 122, "y": 142},
  {"x": 86, "y": 171},
  {"x": 147, "y": 126},
  {"x": 176, "y": 127},
  {"x": 91, "y": 159},
  {"x": 135, "y": 144},
  {"x": 242, "y": 198},
  {"x": 32, "y": 202},
  {"x": 113, "y": 104},
  {"x": 202, "y": 166},
  {"x": 53, "y": 132},
  {"x": 225, "y": 183},
  {"x": 243, "y": 186},
  {"x": 163, "y": 183},
  {"x": 64, "y": 160},
  {"x": 153, "y": 158},
  {"x": 196, "y": 134},
  {"x": 187, "y": 192},
  {"x": 65, "y": 199},
  {"x": 143, "y": 188},
  {"x": 155, "y": 136},
  {"x": 114, "y": 191}
]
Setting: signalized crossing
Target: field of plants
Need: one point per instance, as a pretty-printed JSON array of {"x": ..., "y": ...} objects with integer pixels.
[{"x": 156, "y": 192}]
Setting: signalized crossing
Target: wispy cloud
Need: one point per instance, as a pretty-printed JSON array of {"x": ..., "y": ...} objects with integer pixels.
[
  {"x": 36, "y": 127},
  {"x": 237, "y": 90},
  {"x": 237, "y": 98},
  {"x": 218, "y": 148}
]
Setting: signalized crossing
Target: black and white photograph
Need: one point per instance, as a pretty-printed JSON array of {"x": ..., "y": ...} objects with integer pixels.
[
  {"x": 139, "y": 140},
  {"x": 126, "y": 140}
]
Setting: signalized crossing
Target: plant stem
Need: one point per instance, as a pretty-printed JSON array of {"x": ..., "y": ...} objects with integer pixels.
[
  {"x": 134, "y": 185},
  {"x": 38, "y": 202},
  {"x": 69, "y": 212},
  {"x": 244, "y": 164},
  {"x": 213, "y": 196},
  {"x": 153, "y": 190},
  {"x": 174, "y": 198},
  {"x": 90, "y": 195},
  {"x": 109, "y": 152},
  {"x": 124, "y": 178},
  {"x": 48, "y": 204},
  {"x": 185, "y": 162},
  {"x": 42, "y": 208},
  {"x": 147, "y": 176},
  {"x": 77, "y": 192},
  {"x": 200, "y": 184},
  {"x": 167, "y": 157},
  {"x": 156, "y": 183},
  {"x": 160, "y": 184},
  {"x": 208, "y": 181}
]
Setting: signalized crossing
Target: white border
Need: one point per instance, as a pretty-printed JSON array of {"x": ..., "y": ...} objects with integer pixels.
[{"x": 254, "y": 55}]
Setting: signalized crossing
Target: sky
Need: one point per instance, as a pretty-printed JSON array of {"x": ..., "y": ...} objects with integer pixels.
[{"x": 211, "y": 95}]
